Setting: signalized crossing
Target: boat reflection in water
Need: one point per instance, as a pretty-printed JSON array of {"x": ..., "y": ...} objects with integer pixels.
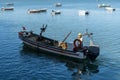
[{"x": 82, "y": 70}]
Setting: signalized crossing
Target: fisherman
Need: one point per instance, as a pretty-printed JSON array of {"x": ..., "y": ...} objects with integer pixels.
[
  {"x": 78, "y": 43},
  {"x": 80, "y": 38}
]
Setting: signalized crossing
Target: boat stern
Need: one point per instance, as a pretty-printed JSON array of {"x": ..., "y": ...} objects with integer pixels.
[{"x": 93, "y": 52}]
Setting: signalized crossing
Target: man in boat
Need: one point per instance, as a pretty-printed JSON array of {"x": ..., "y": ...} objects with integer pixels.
[
  {"x": 80, "y": 37},
  {"x": 78, "y": 43}
]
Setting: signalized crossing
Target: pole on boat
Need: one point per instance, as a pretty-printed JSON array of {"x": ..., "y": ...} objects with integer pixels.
[
  {"x": 87, "y": 34},
  {"x": 62, "y": 44},
  {"x": 66, "y": 36},
  {"x": 90, "y": 36}
]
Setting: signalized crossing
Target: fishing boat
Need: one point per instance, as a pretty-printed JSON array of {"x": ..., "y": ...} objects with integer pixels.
[
  {"x": 7, "y": 8},
  {"x": 74, "y": 51},
  {"x": 37, "y": 10}
]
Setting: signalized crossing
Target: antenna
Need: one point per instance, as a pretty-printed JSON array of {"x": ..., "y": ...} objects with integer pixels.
[
  {"x": 43, "y": 29},
  {"x": 87, "y": 33}
]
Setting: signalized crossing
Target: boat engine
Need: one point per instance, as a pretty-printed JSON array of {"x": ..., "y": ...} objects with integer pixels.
[{"x": 93, "y": 52}]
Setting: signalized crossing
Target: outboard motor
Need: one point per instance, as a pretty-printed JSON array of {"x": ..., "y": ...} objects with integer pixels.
[{"x": 93, "y": 52}]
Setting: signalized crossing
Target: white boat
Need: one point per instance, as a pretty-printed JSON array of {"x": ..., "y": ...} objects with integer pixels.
[
  {"x": 83, "y": 12},
  {"x": 58, "y": 4},
  {"x": 43, "y": 10},
  {"x": 10, "y": 4},
  {"x": 55, "y": 12},
  {"x": 103, "y": 5},
  {"x": 110, "y": 9},
  {"x": 7, "y": 8},
  {"x": 37, "y": 10},
  {"x": 33, "y": 10}
]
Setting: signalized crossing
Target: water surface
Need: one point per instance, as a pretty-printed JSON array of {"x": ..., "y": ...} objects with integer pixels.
[{"x": 17, "y": 63}]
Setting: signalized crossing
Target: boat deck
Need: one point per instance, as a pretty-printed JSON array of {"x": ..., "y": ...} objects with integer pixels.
[{"x": 50, "y": 42}]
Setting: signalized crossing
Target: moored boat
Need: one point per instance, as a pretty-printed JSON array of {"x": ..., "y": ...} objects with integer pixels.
[
  {"x": 103, "y": 5},
  {"x": 37, "y": 10},
  {"x": 110, "y": 9},
  {"x": 55, "y": 12},
  {"x": 9, "y": 4},
  {"x": 76, "y": 51},
  {"x": 7, "y": 8},
  {"x": 58, "y": 4},
  {"x": 43, "y": 9},
  {"x": 83, "y": 12}
]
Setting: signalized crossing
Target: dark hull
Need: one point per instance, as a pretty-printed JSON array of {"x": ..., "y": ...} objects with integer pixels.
[
  {"x": 8, "y": 9},
  {"x": 53, "y": 54},
  {"x": 93, "y": 52}
]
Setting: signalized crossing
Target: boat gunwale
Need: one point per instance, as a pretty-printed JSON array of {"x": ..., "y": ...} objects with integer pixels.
[{"x": 39, "y": 44}]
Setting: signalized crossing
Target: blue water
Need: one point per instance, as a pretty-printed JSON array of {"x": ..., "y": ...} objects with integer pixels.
[{"x": 18, "y": 63}]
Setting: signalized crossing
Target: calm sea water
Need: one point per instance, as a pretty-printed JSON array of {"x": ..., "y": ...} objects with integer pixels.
[{"x": 18, "y": 63}]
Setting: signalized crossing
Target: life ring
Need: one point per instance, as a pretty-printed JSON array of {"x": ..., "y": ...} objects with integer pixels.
[{"x": 77, "y": 46}]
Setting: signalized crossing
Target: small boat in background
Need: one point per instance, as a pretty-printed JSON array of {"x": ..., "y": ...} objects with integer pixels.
[
  {"x": 37, "y": 10},
  {"x": 110, "y": 9},
  {"x": 43, "y": 10},
  {"x": 83, "y": 12},
  {"x": 58, "y": 4},
  {"x": 10, "y": 4},
  {"x": 7, "y": 8},
  {"x": 55, "y": 12},
  {"x": 33, "y": 10},
  {"x": 103, "y": 5}
]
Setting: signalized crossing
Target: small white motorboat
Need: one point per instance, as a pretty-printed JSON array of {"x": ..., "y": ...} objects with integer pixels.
[
  {"x": 103, "y": 5},
  {"x": 37, "y": 10},
  {"x": 83, "y": 12},
  {"x": 55, "y": 12},
  {"x": 58, "y": 4},
  {"x": 110, "y": 9},
  {"x": 33, "y": 10},
  {"x": 43, "y": 10},
  {"x": 7, "y": 8},
  {"x": 10, "y": 4}
]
